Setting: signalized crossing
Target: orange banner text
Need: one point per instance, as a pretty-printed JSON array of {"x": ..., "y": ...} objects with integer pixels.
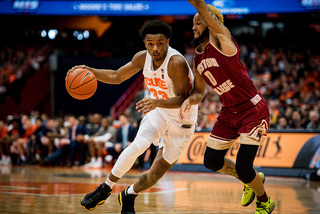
[{"x": 278, "y": 150}]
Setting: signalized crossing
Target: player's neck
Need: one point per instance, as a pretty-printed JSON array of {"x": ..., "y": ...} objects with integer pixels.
[
  {"x": 204, "y": 43},
  {"x": 157, "y": 64}
]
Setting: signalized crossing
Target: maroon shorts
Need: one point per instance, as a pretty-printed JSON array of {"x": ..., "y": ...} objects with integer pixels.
[{"x": 231, "y": 124}]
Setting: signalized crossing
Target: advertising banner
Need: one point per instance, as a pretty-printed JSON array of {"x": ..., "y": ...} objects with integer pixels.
[
  {"x": 151, "y": 7},
  {"x": 279, "y": 150}
]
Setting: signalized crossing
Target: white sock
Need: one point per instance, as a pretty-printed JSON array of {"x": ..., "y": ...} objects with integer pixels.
[
  {"x": 131, "y": 191},
  {"x": 23, "y": 158},
  {"x": 99, "y": 159},
  {"x": 110, "y": 183},
  {"x": 93, "y": 160}
]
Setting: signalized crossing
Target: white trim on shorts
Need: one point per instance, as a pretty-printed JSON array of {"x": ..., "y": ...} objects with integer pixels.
[
  {"x": 256, "y": 137},
  {"x": 218, "y": 144}
]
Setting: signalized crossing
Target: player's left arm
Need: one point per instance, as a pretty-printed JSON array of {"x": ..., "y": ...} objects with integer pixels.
[
  {"x": 197, "y": 94},
  {"x": 211, "y": 20},
  {"x": 178, "y": 71},
  {"x": 218, "y": 32}
]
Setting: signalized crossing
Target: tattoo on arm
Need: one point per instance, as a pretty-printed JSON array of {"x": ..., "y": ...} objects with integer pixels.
[
  {"x": 205, "y": 21},
  {"x": 214, "y": 15}
]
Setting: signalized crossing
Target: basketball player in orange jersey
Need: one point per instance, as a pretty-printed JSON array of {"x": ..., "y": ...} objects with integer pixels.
[
  {"x": 244, "y": 112},
  {"x": 170, "y": 80}
]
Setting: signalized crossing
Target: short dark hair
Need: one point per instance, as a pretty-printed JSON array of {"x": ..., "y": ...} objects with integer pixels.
[
  {"x": 156, "y": 27},
  {"x": 123, "y": 114}
]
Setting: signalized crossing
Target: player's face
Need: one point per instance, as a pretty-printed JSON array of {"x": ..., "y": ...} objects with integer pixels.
[
  {"x": 157, "y": 46},
  {"x": 199, "y": 26}
]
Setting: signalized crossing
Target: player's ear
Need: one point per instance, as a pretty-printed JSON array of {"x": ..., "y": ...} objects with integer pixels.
[
  {"x": 145, "y": 43},
  {"x": 168, "y": 41}
]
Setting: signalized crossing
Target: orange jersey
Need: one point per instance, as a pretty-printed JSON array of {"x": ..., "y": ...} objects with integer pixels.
[
  {"x": 3, "y": 131},
  {"x": 29, "y": 131}
]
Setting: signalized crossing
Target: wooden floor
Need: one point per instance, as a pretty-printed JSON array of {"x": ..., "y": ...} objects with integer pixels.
[{"x": 39, "y": 190}]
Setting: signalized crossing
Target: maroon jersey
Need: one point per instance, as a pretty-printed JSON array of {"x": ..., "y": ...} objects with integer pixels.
[{"x": 226, "y": 75}]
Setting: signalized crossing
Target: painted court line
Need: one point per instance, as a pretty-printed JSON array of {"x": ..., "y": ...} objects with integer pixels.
[{"x": 17, "y": 187}]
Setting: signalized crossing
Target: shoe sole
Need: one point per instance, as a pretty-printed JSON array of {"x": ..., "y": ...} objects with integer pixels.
[
  {"x": 250, "y": 201},
  {"x": 92, "y": 208},
  {"x": 274, "y": 206},
  {"x": 253, "y": 195}
]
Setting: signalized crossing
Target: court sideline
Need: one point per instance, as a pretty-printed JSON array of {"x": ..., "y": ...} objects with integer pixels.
[{"x": 38, "y": 190}]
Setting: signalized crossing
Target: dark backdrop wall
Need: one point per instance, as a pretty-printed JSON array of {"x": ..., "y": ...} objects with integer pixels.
[{"x": 105, "y": 96}]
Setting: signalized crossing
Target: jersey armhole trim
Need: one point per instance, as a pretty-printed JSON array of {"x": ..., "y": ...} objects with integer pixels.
[{"x": 224, "y": 53}]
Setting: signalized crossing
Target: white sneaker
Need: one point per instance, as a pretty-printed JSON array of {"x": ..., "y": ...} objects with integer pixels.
[
  {"x": 7, "y": 161},
  {"x": 88, "y": 165},
  {"x": 108, "y": 158},
  {"x": 2, "y": 161},
  {"x": 97, "y": 164}
]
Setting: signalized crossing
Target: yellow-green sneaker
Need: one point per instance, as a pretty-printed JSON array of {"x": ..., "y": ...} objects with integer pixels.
[
  {"x": 265, "y": 207},
  {"x": 248, "y": 194}
]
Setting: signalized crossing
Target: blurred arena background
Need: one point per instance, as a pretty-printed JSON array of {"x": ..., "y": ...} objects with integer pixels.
[{"x": 279, "y": 40}]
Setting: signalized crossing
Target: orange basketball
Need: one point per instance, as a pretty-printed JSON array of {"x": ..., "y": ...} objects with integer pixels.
[{"x": 81, "y": 83}]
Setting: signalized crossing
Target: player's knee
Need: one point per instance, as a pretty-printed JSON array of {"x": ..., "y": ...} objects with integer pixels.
[
  {"x": 212, "y": 163},
  {"x": 245, "y": 172}
]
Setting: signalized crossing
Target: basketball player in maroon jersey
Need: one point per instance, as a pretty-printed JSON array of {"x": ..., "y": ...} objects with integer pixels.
[{"x": 244, "y": 112}]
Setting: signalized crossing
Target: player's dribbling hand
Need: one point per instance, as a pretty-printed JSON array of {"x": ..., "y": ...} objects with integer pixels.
[
  {"x": 185, "y": 108},
  {"x": 146, "y": 105},
  {"x": 76, "y": 67}
]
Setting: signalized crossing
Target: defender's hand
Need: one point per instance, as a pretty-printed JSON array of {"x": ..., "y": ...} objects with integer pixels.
[
  {"x": 184, "y": 109},
  {"x": 146, "y": 105}
]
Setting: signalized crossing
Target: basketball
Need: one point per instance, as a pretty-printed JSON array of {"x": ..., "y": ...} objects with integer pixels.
[{"x": 81, "y": 83}]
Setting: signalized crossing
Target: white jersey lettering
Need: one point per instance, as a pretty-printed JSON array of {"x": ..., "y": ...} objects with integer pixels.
[{"x": 207, "y": 63}]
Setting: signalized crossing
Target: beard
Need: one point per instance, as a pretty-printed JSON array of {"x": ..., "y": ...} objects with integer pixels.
[{"x": 197, "y": 41}]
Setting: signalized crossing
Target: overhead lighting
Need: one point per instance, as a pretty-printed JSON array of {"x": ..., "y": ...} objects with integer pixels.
[
  {"x": 80, "y": 37},
  {"x": 75, "y": 33},
  {"x": 254, "y": 23},
  {"x": 52, "y": 33},
  {"x": 86, "y": 34},
  {"x": 43, "y": 33}
]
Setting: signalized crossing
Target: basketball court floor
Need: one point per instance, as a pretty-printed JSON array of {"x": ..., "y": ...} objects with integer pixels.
[{"x": 38, "y": 190}]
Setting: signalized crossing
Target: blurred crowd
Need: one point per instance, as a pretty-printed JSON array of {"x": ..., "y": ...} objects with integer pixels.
[
  {"x": 91, "y": 141},
  {"x": 17, "y": 63}
]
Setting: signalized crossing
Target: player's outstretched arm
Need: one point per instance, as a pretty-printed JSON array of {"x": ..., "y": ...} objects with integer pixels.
[
  {"x": 219, "y": 35},
  {"x": 195, "y": 97},
  {"x": 212, "y": 21},
  {"x": 120, "y": 75}
]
